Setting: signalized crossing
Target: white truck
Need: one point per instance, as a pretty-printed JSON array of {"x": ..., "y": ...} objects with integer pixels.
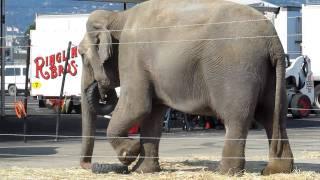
[
  {"x": 303, "y": 73},
  {"x": 15, "y": 78},
  {"x": 49, "y": 42},
  {"x": 310, "y": 44}
]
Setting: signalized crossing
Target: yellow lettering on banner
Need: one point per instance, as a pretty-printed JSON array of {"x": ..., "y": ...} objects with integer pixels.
[{"x": 36, "y": 85}]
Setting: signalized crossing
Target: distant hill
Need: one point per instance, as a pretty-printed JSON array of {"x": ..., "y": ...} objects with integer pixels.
[
  {"x": 285, "y": 2},
  {"x": 20, "y": 13}
]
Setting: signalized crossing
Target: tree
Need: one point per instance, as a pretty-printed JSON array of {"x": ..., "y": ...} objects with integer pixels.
[
  {"x": 31, "y": 27},
  {"x": 24, "y": 41}
]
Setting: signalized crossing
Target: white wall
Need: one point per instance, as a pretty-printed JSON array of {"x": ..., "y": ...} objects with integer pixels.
[
  {"x": 280, "y": 24},
  {"x": 50, "y": 38},
  {"x": 287, "y": 26},
  {"x": 61, "y": 22},
  {"x": 311, "y": 36}
]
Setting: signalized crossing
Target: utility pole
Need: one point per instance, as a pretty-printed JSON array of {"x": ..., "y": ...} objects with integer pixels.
[
  {"x": 124, "y": 6},
  {"x": 2, "y": 56}
]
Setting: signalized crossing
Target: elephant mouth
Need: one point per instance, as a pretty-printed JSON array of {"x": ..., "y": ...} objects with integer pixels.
[{"x": 101, "y": 106}]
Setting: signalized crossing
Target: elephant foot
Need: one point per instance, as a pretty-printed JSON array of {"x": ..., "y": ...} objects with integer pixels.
[
  {"x": 232, "y": 167},
  {"x": 278, "y": 166},
  {"x": 283, "y": 164},
  {"x": 128, "y": 151},
  {"x": 86, "y": 165},
  {"x": 147, "y": 166}
]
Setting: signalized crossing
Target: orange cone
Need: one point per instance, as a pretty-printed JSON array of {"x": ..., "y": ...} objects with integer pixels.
[{"x": 20, "y": 109}]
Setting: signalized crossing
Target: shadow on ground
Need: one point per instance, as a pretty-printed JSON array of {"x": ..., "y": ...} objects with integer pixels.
[
  {"x": 303, "y": 123},
  {"x": 251, "y": 166},
  {"x": 19, "y": 152},
  {"x": 70, "y": 125}
]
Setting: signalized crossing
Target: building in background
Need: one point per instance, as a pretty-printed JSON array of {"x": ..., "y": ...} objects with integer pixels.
[{"x": 287, "y": 21}]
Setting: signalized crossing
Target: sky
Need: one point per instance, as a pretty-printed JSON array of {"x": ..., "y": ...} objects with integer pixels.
[{"x": 21, "y": 13}]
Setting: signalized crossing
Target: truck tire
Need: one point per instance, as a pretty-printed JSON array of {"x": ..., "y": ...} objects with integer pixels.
[
  {"x": 317, "y": 99},
  {"x": 42, "y": 103},
  {"x": 300, "y": 101},
  {"x": 77, "y": 108},
  {"x": 93, "y": 98},
  {"x": 12, "y": 90}
]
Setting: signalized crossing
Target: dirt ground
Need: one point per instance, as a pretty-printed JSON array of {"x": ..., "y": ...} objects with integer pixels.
[
  {"x": 183, "y": 155},
  {"x": 189, "y": 170}
]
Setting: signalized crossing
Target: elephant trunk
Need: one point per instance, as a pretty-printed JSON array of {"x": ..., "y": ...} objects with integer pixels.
[
  {"x": 88, "y": 133},
  {"x": 94, "y": 100}
]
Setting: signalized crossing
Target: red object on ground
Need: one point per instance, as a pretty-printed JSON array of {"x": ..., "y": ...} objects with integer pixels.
[
  {"x": 134, "y": 129},
  {"x": 208, "y": 125},
  {"x": 20, "y": 109}
]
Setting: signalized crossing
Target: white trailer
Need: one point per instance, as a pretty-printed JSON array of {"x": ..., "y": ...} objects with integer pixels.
[
  {"x": 15, "y": 78},
  {"x": 49, "y": 42},
  {"x": 310, "y": 44}
]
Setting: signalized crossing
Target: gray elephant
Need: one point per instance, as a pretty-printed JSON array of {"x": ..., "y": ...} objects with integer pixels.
[{"x": 207, "y": 57}]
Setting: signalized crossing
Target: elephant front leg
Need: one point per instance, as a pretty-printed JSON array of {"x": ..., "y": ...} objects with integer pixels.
[
  {"x": 130, "y": 110},
  {"x": 127, "y": 149},
  {"x": 150, "y": 132}
]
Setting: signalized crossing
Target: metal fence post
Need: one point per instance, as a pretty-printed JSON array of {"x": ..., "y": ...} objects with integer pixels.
[
  {"x": 26, "y": 93},
  {"x": 124, "y": 6},
  {"x": 2, "y": 54},
  {"x": 61, "y": 91}
]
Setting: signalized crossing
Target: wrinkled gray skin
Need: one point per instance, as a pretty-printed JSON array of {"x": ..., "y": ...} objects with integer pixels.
[{"x": 194, "y": 69}]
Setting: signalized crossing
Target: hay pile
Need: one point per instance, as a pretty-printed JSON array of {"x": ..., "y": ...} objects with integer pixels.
[
  {"x": 74, "y": 173},
  {"x": 171, "y": 170}
]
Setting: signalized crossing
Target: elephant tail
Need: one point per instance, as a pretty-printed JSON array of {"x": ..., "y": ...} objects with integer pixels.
[{"x": 277, "y": 58}]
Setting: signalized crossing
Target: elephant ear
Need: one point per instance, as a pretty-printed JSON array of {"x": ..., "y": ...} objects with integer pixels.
[{"x": 104, "y": 45}]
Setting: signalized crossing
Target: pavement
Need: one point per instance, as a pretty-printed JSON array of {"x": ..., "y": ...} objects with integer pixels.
[
  {"x": 32, "y": 108},
  {"x": 45, "y": 152}
]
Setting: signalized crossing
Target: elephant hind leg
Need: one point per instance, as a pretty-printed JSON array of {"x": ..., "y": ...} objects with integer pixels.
[
  {"x": 237, "y": 115},
  {"x": 237, "y": 123},
  {"x": 150, "y": 132},
  {"x": 280, "y": 154},
  {"x": 233, "y": 154}
]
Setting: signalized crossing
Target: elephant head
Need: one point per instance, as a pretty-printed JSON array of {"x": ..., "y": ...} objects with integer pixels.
[{"x": 100, "y": 68}]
